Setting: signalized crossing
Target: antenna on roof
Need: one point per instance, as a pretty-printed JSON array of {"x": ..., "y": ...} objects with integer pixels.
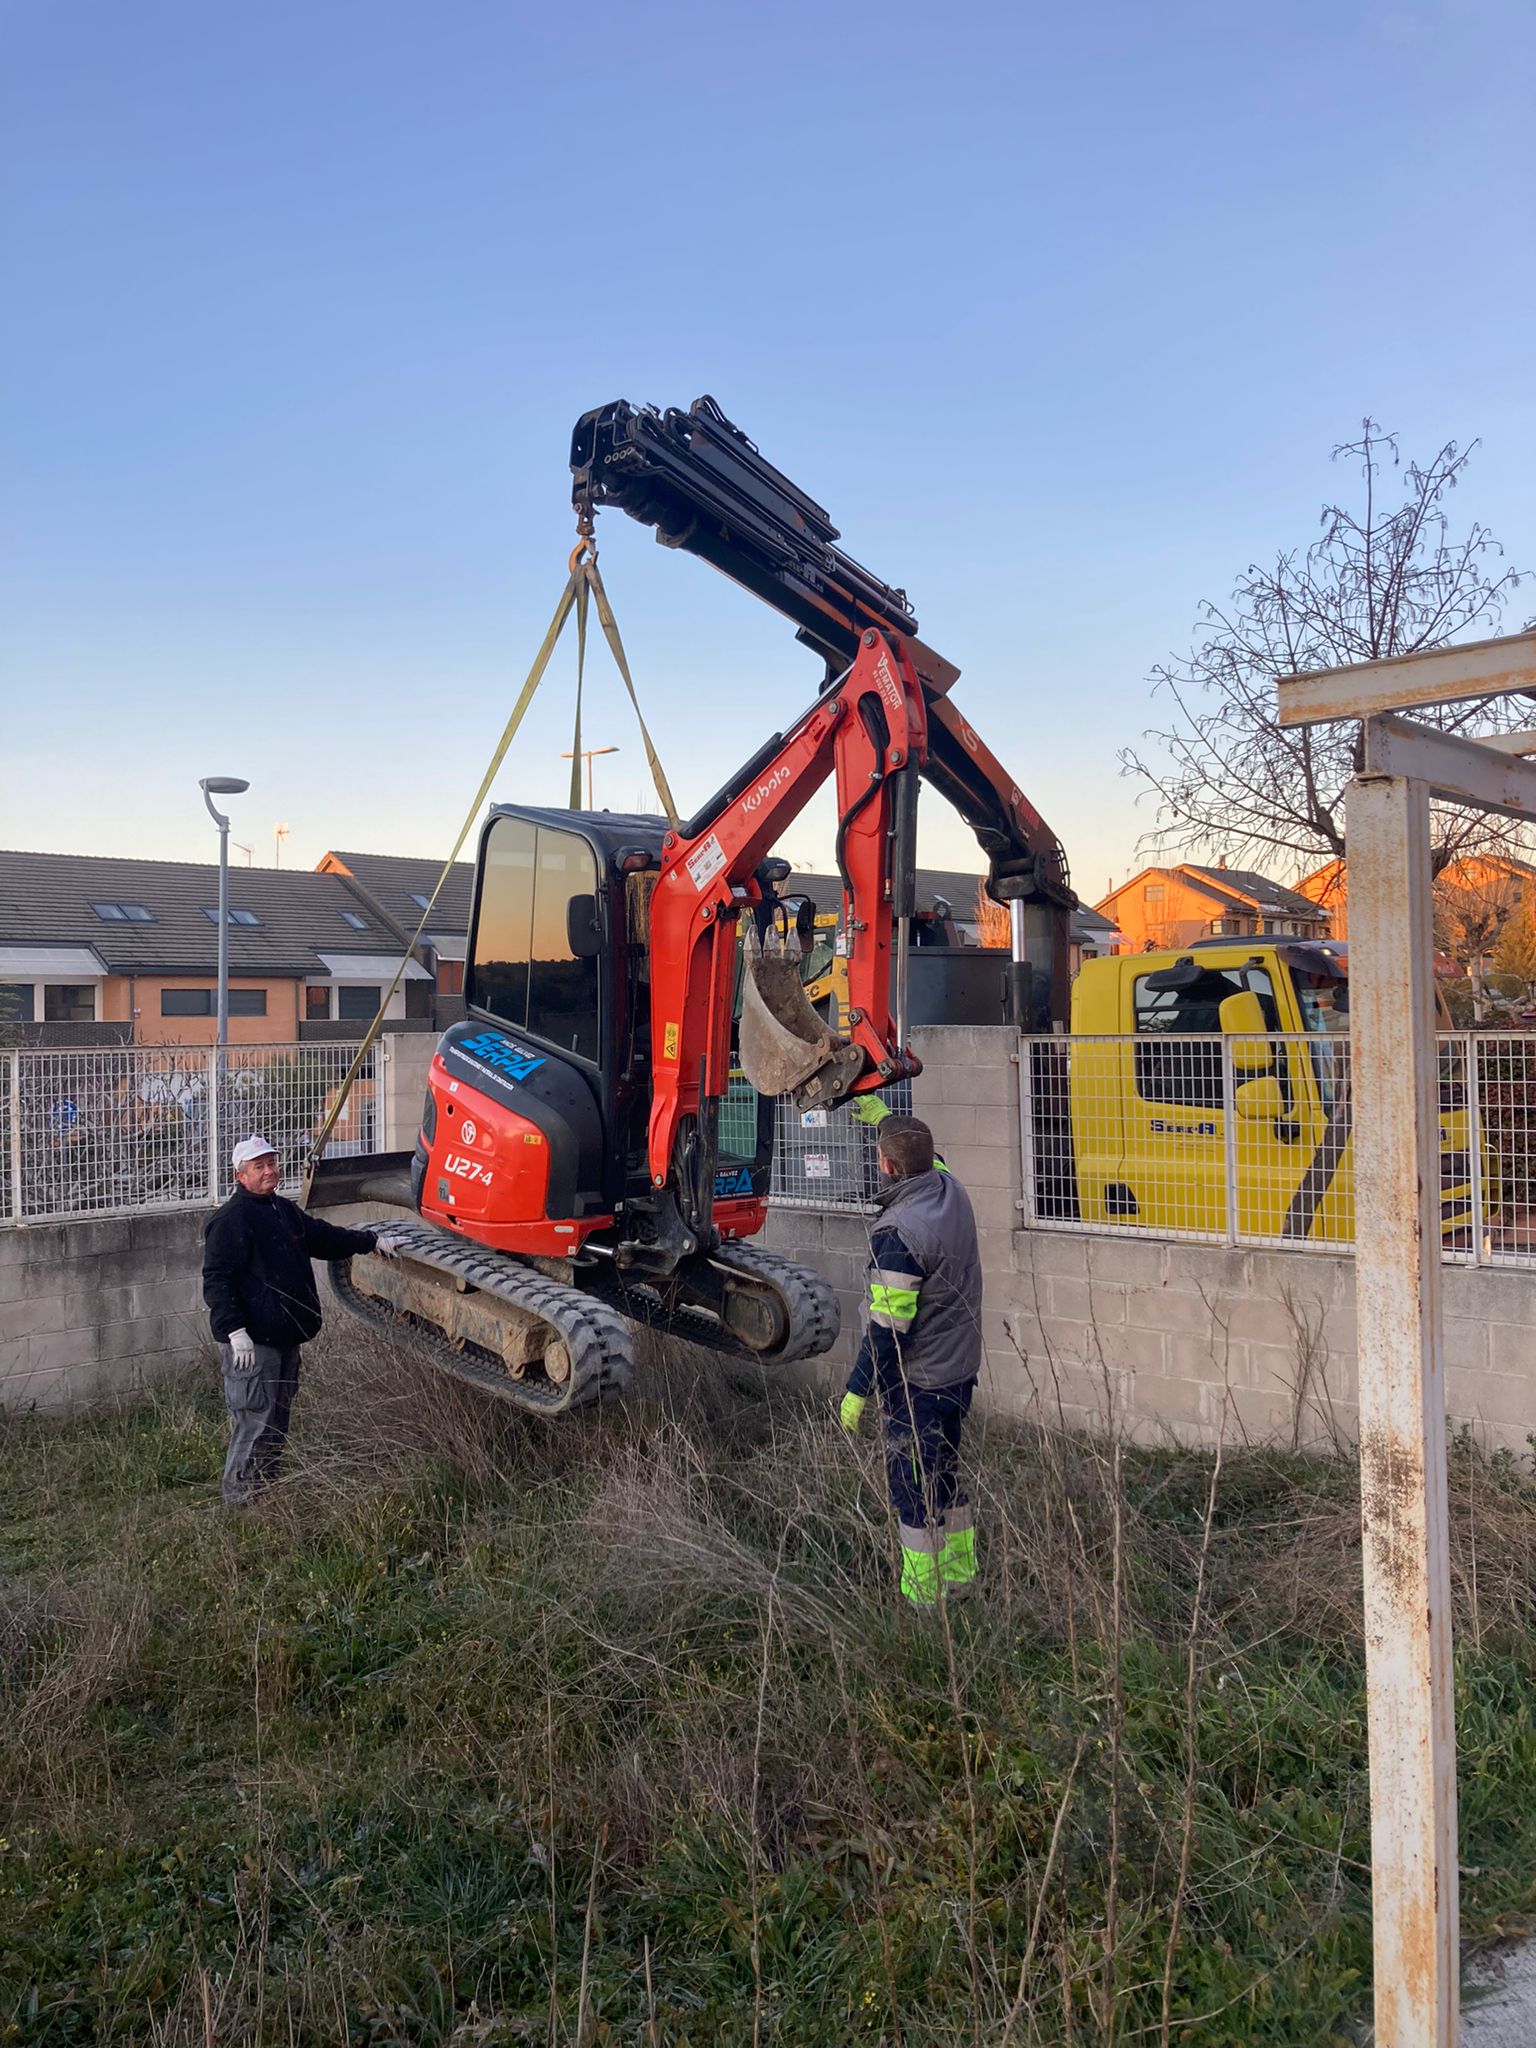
[{"x": 279, "y": 834}]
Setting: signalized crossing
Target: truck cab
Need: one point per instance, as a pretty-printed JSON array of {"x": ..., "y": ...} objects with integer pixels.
[{"x": 1226, "y": 1064}]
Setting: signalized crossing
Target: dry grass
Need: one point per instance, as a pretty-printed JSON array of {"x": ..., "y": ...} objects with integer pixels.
[{"x": 485, "y": 1731}]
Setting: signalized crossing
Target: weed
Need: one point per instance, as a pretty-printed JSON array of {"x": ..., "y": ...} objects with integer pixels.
[{"x": 479, "y": 1731}]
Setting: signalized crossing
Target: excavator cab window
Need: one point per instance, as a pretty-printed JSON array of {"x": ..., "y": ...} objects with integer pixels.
[{"x": 525, "y": 969}]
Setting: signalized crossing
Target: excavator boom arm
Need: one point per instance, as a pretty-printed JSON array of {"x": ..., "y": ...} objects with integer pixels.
[{"x": 884, "y": 718}]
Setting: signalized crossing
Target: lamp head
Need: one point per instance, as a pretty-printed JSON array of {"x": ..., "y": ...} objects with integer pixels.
[{"x": 223, "y": 785}]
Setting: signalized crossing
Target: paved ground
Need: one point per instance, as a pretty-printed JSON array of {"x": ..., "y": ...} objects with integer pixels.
[{"x": 1504, "y": 2016}]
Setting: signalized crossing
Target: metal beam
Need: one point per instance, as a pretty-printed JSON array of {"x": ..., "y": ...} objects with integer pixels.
[
  {"x": 1508, "y": 742},
  {"x": 1445, "y": 675},
  {"x": 1396, "y": 1126},
  {"x": 1465, "y": 771}
]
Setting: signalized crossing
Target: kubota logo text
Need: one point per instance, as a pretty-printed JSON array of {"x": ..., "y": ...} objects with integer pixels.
[{"x": 763, "y": 790}]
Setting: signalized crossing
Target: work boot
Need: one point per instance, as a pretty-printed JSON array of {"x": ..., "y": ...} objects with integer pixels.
[
  {"x": 957, "y": 1561},
  {"x": 920, "y": 1583}
]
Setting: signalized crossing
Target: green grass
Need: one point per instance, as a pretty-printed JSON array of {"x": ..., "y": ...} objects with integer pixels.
[{"x": 483, "y": 1733}]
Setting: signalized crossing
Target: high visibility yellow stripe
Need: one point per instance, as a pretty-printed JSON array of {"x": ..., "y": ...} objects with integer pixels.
[{"x": 893, "y": 1304}]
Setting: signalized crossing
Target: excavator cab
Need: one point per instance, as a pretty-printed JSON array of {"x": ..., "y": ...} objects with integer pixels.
[{"x": 545, "y": 1087}]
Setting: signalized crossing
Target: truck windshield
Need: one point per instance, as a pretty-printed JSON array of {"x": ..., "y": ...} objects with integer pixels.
[{"x": 1324, "y": 1002}]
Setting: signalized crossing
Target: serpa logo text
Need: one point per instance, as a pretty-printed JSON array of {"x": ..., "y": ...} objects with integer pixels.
[
  {"x": 733, "y": 1181},
  {"x": 764, "y": 789},
  {"x": 502, "y": 1054}
]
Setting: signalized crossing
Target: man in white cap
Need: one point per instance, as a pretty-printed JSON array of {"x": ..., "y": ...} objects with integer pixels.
[{"x": 260, "y": 1289}]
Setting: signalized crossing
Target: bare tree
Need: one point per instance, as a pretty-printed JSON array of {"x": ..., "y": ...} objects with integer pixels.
[
  {"x": 1378, "y": 581},
  {"x": 1474, "y": 907}
]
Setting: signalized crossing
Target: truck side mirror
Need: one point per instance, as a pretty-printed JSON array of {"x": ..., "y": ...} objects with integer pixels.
[
  {"x": 1243, "y": 1014},
  {"x": 1260, "y": 1101},
  {"x": 583, "y": 933}
]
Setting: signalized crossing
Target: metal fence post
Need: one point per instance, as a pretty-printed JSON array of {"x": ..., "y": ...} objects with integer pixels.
[
  {"x": 1473, "y": 1070},
  {"x": 214, "y": 1106},
  {"x": 1029, "y": 1189},
  {"x": 1229, "y": 1137},
  {"x": 15, "y": 1086}
]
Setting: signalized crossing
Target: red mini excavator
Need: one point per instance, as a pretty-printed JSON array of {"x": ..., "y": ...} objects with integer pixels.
[{"x": 569, "y": 1179}]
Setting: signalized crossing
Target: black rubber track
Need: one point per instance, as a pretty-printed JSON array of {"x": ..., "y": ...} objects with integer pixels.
[
  {"x": 596, "y": 1337},
  {"x": 592, "y": 1325}
]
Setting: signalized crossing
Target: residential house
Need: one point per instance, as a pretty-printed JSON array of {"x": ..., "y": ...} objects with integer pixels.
[
  {"x": 95, "y": 947},
  {"x": 400, "y": 888},
  {"x": 1164, "y": 907},
  {"x": 1480, "y": 889}
]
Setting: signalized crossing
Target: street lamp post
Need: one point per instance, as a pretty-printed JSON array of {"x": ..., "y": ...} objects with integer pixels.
[
  {"x": 212, "y": 786},
  {"x": 587, "y": 755}
]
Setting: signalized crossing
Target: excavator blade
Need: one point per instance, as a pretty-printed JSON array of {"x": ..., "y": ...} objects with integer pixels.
[{"x": 785, "y": 1048}]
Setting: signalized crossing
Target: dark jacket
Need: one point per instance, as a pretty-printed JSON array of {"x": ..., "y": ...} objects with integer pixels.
[
  {"x": 924, "y": 1326},
  {"x": 256, "y": 1270}
]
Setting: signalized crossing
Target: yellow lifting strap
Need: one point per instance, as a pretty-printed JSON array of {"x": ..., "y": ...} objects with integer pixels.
[{"x": 582, "y": 580}]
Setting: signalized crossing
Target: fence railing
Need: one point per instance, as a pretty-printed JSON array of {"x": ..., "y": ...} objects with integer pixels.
[
  {"x": 1233, "y": 1140},
  {"x": 103, "y": 1131},
  {"x": 824, "y": 1158}
]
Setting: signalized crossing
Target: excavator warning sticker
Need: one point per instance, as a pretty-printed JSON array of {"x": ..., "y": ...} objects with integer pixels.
[
  {"x": 670, "y": 1039},
  {"x": 705, "y": 862}
]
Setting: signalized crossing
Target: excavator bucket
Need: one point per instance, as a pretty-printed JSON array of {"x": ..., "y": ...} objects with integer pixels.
[{"x": 786, "y": 1049}]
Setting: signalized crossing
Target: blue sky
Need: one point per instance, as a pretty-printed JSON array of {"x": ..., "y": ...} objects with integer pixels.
[{"x": 1059, "y": 312}]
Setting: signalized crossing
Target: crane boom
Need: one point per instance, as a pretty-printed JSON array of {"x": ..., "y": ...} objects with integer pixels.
[{"x": 703, "y": 485}]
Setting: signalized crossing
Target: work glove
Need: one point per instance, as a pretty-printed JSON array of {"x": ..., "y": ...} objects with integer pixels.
[
  {"x": 242, "y": 1346},
  {"x": 868, "y": 1109},
  {"x": 386, "y": 1244},
  {"x": 851, "y": 1413}
]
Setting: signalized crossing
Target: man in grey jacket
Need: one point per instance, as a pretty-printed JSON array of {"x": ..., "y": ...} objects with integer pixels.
[
  {"x": 921, "y": 1351},
  {"x": 259, "y": 1285}
]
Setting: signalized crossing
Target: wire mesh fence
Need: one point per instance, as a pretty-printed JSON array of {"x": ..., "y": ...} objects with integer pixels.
[
  {"x": 825, "y": 1158},
  {"x": 100, "y": 1131},
  {"x": 1233, "y": 1140}
]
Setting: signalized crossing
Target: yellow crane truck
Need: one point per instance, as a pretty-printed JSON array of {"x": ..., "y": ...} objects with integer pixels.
[{"x": 1224, "y": 1065}]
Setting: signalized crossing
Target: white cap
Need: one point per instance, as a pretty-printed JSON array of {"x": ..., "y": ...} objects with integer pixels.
[{"x": 253, "y": 1147}]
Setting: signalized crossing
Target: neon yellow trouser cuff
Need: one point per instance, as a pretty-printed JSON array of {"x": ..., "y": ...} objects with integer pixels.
[
  {"x": 957, "y": 1557},
  {"x": 920, "y": 1582}
]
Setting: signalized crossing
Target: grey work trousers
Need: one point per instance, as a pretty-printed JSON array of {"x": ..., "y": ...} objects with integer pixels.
[{"x": 258, "y": 1400}]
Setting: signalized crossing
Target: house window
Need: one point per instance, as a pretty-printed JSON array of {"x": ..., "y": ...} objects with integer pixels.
[
  {"x": 247, "y": 918},
  {"x": 122, "y": 913},
  {"x": 204, "y": 1002},
  {"x": 450, "y": 977},
  {"x": 16, "y": 1002},
  {"x": 421, "y": 902},
  {"x": 1153, "y": 892},
  {"x": 317, "y": 1003},
  {"x": 357, "y": 1005},
  {"x": 358, "y": 924},
  {"x": 186, "y": 1002},
  {"x": 67, "y": 1004}
]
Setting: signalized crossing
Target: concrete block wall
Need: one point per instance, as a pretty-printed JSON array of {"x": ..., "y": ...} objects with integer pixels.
[
  {"x": 403, "y": 1061},
  {"x": 96, "y": 1309}
]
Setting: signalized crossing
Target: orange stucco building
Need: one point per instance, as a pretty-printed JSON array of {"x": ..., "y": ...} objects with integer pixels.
[{"x": 1167, "y": 907}]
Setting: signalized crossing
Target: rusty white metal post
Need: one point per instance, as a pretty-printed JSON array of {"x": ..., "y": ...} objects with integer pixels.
[{"x": 1402, "y": 1415}]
